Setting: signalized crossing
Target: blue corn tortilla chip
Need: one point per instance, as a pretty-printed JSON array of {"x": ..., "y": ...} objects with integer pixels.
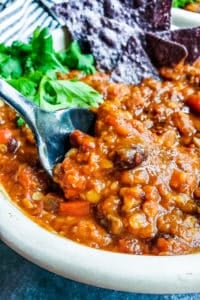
[
  {"x": 134, "y": 65},
  {"x": 112, "y": 9},
  {"x": 107, "y": 40},
  {"x": 164, "y": 52},
  {"x": 73, "y": 14},
  {"x": 66, "y": 8},
  {"x": 150, "y": 14},
  {"x": 102, "y": 36},
  {"x": 158, "y": 14},
  {"x": 190, "y": 38},
  {"x": 129, "y": 38},
  {"x": 117, "y": 10}
]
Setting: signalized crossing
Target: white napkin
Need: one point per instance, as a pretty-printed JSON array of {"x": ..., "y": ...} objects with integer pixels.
[{"x": 19, "y": 18}]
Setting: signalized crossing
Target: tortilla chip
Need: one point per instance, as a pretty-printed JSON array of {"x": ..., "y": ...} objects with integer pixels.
[
  {"x": 164, "y": 52},
  {"x": 158, "y": 14},
  {"x": 105, "y": 38},
  {"x": 190, "y": 38},
  {"x": 66, "y": 9},
  {"x": 149, "y": 15},
  {"x": 127, "y": 36},
  {"x": 134, "y": 65}
]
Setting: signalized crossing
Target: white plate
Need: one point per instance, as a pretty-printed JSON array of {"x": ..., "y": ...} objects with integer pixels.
[
  {"x": 183, "y": 18},
  {"x": 145, "y": 274}
]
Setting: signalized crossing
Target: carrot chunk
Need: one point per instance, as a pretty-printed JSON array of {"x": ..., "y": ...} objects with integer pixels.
[
  {"x": 74, "y": 208},
  {"x": 5, "y": 135}
]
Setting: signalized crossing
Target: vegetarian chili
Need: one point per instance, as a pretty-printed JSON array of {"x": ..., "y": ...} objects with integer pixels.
[{"x": 133, "y": 187}]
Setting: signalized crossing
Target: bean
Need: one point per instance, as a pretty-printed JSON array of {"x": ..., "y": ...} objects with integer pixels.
[{"x": 128, "y": 158}]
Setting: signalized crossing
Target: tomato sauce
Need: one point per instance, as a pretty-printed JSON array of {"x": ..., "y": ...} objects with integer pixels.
[{"x": 133, "y": 187}]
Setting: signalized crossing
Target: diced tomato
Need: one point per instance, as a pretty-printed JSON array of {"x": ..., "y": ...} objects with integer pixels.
[
  {"x": 5, "y": 135},
  {"x": 74, "y": 208}
]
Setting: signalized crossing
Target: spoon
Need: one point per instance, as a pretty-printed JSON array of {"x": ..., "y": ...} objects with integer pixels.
[{"x": 51, "y": 129}]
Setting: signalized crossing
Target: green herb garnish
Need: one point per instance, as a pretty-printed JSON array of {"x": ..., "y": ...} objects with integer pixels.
[
  {"x": 181, "y": 3},
  {"x": 20, "y": 122},
  {"x": 59, "y": 94},
  {"x": 74, "y": 59},
  {"x": 32, "y": 69}
]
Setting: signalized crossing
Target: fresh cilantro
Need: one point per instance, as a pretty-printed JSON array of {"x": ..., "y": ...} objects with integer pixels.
[
  {"x": 20, "y": 122},
  {"x": 181, "y": 3},
  {"x": 60, "y": 94},
  {"x": 32, "y": 69},
  {"x": 43, "y": 57},
  {"x": 10, "y": 67},
  {"x": 74, "y": 59},
  {"x": 25, "y": 86}
]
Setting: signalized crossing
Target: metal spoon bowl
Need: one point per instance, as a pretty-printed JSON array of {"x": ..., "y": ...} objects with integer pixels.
[{"x": 51, "y": 129}]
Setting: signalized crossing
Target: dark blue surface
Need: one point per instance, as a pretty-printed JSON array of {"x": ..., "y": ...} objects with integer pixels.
[{"x": 20, "y": 279}]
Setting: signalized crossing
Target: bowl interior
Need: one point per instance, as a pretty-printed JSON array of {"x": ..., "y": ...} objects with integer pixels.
[{"x": 145, "y": 274}]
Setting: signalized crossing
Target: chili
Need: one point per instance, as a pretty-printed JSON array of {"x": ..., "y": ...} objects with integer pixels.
[{"x": 134, "y": 186}]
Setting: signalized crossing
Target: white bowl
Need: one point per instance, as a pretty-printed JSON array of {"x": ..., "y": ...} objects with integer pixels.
[
  {"x": 183, "y": 18},
  {"x": 145, "y": 274},
  {"x": 125, "y": 272}
]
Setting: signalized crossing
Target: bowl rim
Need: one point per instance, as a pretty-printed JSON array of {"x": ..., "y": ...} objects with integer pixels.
[
  {"x": 183, "y": 18},
  {"x": 122, "y": 272}
]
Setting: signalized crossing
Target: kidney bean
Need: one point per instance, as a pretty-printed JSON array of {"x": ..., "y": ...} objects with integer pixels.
[
  {"x": 193, "y": 101},
  {"x": 129, "y": 158}
]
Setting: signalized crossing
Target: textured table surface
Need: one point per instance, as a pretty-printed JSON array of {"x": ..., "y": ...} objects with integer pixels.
[{"x": 20, "y": 279}]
